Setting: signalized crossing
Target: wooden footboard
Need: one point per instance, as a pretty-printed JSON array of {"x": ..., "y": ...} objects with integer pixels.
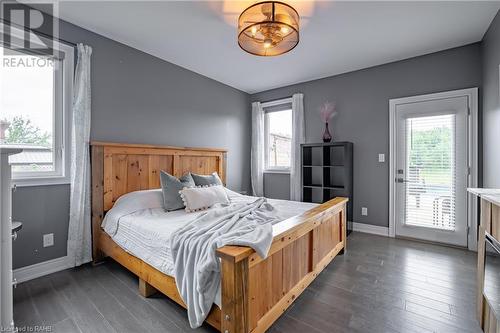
[{"x": 256, "y": 291}]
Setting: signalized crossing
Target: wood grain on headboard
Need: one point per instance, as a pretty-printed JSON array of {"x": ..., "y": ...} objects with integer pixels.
[
  {"x": 132, "y": 167},
  {"x": 120, "y": 168}
]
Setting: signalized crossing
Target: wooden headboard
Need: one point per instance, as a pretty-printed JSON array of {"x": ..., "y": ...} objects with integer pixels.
[{"x": 120, "y": 168}]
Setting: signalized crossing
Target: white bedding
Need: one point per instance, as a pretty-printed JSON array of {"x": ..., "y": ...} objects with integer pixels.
[{"x": 146, "y": 233}]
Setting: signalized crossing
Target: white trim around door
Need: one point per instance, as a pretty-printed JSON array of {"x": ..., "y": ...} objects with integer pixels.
[{"x": 472, "y": 156}]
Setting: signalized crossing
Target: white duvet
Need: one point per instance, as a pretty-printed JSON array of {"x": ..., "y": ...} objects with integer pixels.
[{"x": 139, "y": 224}]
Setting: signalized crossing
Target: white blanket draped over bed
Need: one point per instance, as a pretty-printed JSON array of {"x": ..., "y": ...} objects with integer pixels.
[{"x": 197, "y": 268}]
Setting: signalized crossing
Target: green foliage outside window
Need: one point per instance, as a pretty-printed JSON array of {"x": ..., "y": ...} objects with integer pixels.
[
  {"x": 22, "y": 131},
  {"x": 431, "y": 154}
]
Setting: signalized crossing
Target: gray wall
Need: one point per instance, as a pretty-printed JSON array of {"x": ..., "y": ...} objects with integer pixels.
[
  {"x": 43, "y": 210},
  {"x": 137, "y": 98},
  {"x": 491, "y": 105},
  {"x": 362, "y": 99},
  {"x": 277, "y": 185}
]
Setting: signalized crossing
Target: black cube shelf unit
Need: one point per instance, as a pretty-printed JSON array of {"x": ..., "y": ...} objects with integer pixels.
[{"x": 327, "y": 173}]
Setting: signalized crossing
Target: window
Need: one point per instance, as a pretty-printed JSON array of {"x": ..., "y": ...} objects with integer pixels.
[
  {"x": 278, "y": 139},
  {"x": 35, "y": 101}
]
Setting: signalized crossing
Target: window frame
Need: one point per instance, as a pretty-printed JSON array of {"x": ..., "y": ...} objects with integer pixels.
[
  {"x": 267, "y": 105},
  {"x": 61, "y": 146}
]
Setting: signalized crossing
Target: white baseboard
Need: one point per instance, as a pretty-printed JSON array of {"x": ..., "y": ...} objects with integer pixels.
[
  {"x": 370, "y": 229},
  {"x": 43, "y": 268}
]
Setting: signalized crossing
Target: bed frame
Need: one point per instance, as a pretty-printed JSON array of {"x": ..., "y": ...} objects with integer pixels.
[{"x": 255, "y": 291}]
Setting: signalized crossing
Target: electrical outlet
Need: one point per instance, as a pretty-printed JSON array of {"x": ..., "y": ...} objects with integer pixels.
[
  {"x": 48, "y": 240},
  {"x": 381, "y": 158},
  {"x": 364, "y": 211}
]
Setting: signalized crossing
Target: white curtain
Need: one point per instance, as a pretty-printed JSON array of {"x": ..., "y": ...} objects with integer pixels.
[
  {"x": 257, "y": 152},
  {"x": 79, "y": 232},
  {"x": 298, "y": 137}
]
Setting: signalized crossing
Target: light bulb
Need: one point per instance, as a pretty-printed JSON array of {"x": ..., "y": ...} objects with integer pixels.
[
  {"x": 284, "y": 30},
  {"x": 268, "y": 43},
  {"x": 254, "y": 30}
]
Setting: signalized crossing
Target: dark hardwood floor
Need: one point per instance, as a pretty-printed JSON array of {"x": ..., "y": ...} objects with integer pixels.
[{"x": 379, "y": 285}]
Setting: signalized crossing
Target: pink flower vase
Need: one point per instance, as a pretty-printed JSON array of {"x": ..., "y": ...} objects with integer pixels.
[{"x": 327, "y": 137}]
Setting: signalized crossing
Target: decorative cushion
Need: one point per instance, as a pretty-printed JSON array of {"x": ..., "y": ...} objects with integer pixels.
[
  {"x": 204, "y": 180},
  {"x": 200, "y": 198},
  {"x": 171, "y": 186}
]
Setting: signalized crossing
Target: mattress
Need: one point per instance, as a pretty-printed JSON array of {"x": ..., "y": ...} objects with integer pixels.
[{"x": 146, "y": 233}]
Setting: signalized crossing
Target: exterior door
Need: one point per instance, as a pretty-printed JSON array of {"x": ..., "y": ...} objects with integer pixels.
[{"x": 432, "y": 170}]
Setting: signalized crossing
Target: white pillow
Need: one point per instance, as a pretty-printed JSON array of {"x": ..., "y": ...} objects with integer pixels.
[
  {"x": 200, "y": 198},
  {"x": 130, "y": 203}
]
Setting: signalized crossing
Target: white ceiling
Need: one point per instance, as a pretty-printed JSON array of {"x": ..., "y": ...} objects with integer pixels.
[{"x": 336, "y": 37}]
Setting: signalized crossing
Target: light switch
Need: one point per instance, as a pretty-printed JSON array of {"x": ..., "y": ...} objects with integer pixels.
[
  {"x": 381, "y": 158},
  {"x": 364, "y": 211}
]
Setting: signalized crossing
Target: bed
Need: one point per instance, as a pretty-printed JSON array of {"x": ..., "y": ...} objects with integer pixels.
[{"x": 254, "y": 292}]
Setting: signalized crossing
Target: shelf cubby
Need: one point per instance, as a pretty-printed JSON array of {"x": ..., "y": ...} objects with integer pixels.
[
  {"x": 312, "y": 156},
  {"x": 313, "y": 194},
  {"x": 330, "y": 193},
  {"x": 333, "y": 155},
  {"x": 312, "y": 176},
  {"x": 333, "y": 176}
]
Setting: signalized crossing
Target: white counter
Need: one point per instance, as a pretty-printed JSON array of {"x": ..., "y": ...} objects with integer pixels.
[
  {"x": 6, "y": 316},
  {"x": 490, "y": 194}
]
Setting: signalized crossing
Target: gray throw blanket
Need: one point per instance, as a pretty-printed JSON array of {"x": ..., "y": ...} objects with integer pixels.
[{"x": 197, "y": 268}]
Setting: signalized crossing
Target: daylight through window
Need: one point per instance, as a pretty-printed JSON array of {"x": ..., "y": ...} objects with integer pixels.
[
  {"x": 278, "y": 139},
  {"x": 35, "y": 97},
  {"x": 27, "y": 103}
]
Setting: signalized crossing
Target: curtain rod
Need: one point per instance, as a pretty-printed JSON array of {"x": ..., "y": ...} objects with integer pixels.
[{"x": 278, "y": 101}]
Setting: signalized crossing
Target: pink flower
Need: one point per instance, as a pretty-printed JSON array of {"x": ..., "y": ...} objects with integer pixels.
[{"x": 327, "y": 111}]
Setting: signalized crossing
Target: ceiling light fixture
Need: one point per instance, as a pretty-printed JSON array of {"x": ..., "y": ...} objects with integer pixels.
[{"x": 268, "y": 28}]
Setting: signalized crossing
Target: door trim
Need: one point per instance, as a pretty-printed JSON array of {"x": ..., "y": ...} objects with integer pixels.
[{"x": 472, "y": 155}]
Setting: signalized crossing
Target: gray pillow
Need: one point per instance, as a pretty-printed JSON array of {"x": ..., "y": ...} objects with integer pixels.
[
  {"x": 171, "y": 186},
  {"x": 204, "y": 180}
]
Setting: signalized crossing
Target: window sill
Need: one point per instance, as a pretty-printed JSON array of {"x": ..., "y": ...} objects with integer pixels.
[
  {"x": 283, "y": 172},
  {"x": 28, "y": 182}
]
